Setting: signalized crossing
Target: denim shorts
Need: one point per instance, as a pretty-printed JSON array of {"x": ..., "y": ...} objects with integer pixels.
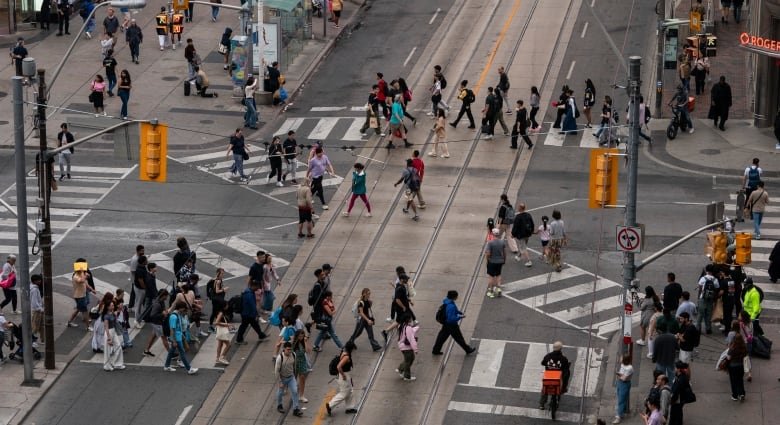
[{"x": 82, "y": 303}]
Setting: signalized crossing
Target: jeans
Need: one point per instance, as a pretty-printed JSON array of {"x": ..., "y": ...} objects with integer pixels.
[
  {"x": 250, "y": 116},
  {"x": 667, "y": 370},
  {"x": 359, "y": 326},
  {"x": 177, "y": 345},
  {"x": 757, "y": 217},
  {"x": 737, "y": 14},
  {"x": 291, "y": 383},
  {"x": 190, "y": 71},
  {"x": 64, "y": 161},
  {"x": 685, "y": 116},
  {"x": 623, "y": 394},
  {"x": 686, "y": 82},
  {"x": 90, "y": 25},
  {"x": 214, "y": 13},
  {"x": 238, "y": 164},
  {"x": 124, "y": 95},
  {"x": 736, "y": 373},
  {"x": 292, "y": 166},
  {"x": 705, "y": 315},
  {"x": 329, "y": 330},
  {"x": 111, "y": 82}
]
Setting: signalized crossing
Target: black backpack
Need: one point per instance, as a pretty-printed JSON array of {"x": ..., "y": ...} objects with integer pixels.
[
  {"x": 333, "y": 366},
  {"x": 708, "y": 292},
  {"x": 413, "y": 182},
  {"x": 235, "y": 304},
  {"x": 441, "y": 314},
  {"x": 314, "y": 294},
  {"x": 210, "y": 289},
  {"x": 443, "y": 82},
  {"x": 470, "y": 97}
]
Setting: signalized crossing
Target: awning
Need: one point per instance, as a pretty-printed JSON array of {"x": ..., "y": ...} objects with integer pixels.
[{"x": 286, "y": 5}]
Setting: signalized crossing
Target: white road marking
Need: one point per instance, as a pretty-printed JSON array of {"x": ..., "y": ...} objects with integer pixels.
[
  {"x": 531, "y": 379},
  {"x": 498, "y": 409},
  {"x": 217, "y": 261},
  {"x": 584, "y": 30},
  {"x": 585, "y": 310},
  {"x": 323, "y": 128},
  {"x": 289, "y": 124},
  {"x": 251, "y": 249},
  {"x": 410, "y": 54},
  {"x": 183, "y": 415},
  {"x": 571, "y": 68},
  {"x": 542, "y": 279},
  {"x": 438, "y": 9},
  {"x": 575, "y": 291},
  {"x": 353, "y": 132},
  {"x": 281, "y": 225},
  {"x": 553, "y": 138},
  {"x": 327, "y": 109},
  {"x": 488, "y": 363}
]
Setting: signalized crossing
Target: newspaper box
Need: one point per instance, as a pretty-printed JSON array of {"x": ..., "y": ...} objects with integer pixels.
[{"x": 551, "y": 382}]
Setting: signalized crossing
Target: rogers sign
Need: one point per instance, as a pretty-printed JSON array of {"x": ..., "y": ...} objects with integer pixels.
[{"x": 746, "y": 39}]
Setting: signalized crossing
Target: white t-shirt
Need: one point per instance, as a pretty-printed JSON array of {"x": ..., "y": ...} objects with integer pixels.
[
  {"x": 544, "y": 234},
  {"x": 626, "y": 371}
]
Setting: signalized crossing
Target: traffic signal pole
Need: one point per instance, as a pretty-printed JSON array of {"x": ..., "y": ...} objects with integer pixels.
[{"x": 659, "y": 60}]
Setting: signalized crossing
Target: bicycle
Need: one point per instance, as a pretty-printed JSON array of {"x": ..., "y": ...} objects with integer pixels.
[{"x": 552, "y": 385}]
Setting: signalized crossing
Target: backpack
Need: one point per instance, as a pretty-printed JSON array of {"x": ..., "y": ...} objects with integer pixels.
[
  {"x": 334, "y": 365},
  {"x": 443, "y": 82},
  {"x": 235, "y": 304},
  {"x": 276, "y": 317},
  {"x": 647, "y": 114},
  {"x": 708, "y": 291},
  {"x": 210, "y": 289},
  {"x": 470, "y": 97},
  {"x": 314, "y": 294},
  {"x": 441, "y": 314},
  {"x": 356, "y": 309},
  {"x": 696, "y": 336},
  {"x": 413, "y": 181},
  {"x": 753, "y": 177},
  {"x": 509, "y": 214}
]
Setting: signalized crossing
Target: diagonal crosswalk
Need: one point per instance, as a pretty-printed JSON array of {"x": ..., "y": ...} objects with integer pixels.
[
  {"x": 70, "y": 203},
  {"x": 324, "y": 128},
  {"x": 571, "y": 296},
  {"x": 583, "y": 138},
  {"x": 760, "y": 250},
  {"x": 494, "y": 376}
]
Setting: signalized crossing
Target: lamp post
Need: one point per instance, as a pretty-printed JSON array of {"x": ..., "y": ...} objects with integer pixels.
[{"x": 45, "y": 170}]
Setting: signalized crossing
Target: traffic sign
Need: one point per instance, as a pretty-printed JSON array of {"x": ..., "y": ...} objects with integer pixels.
[
  {"x": 629, "y": 239},
  {"x": 628, "y": 310}
]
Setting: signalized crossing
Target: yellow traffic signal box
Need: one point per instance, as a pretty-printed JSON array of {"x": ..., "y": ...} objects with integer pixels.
[
  {"x": 153, "y": 160},
  {"x": 603, "y": 187}
]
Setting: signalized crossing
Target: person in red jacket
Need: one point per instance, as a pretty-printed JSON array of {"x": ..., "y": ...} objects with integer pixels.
[
  {"x": 419, "y": 165},
  {"x": 381, "y": 96}
]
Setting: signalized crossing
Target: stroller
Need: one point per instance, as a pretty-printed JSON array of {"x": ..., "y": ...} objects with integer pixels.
[{"x": 14, "y": 339}]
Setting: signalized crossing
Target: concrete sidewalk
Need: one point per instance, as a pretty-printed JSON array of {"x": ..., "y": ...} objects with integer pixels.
[{"x": 195, "y": 122}]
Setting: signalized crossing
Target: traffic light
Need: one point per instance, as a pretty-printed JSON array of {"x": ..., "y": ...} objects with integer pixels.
[
  {"x": 603, "y": 185},
  {"x": 153, "y": 161},
  {"x": 716, "y": 247},
  {"x": 743, "y": 248}
]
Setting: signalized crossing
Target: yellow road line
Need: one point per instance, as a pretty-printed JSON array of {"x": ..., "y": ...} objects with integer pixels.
[
  {"x": 501, "y": 36},
  {"x": 322, "y": 412}
]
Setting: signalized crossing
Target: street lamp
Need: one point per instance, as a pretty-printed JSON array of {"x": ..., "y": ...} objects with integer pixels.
[{"x": 45, "y": 171}]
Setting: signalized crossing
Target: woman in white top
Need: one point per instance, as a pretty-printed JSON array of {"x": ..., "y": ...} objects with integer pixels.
[
  {"x": 623, "y": 387},
  {"x": 544, "y": 237},
  {"x": 250, "y": 116}
]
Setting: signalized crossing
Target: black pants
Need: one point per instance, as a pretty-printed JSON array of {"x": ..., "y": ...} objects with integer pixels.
[
  {"x": 276, "y": 169},
  {"x": 723, "y": 114},
  {"x": 532, "y": 117},
  {"x": 699, "y": 85},
  {"x": 736, "y": 374},
  {"x": 10, "y": 298},
  {"x": 359, "y": 326},
  {"x": 385, "y": 109},
  {"x": 407, "y": 114},
  {"x": 523, "y": 133},
  {"x": 246, "y": 322},
  {"x": 490, "y": 121},
  {"x": 447, "y": 330},
  {"x": 45, "y": 15},
  {"x": 465, "y": 108},
  {"x": 676, "y": 414},
  {"x": 135, "y": 50},
  {"x": 560, "y": 112},
  {"x": 65, "y": 20},
  {"x": 316, "y": 189}
]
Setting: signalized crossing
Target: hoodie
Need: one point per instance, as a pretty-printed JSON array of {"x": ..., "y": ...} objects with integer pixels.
[{"x": 453, "y": 315}]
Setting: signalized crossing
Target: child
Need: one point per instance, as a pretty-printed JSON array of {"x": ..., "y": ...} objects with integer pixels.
[
  {"x": 106, "y": 43},
  {"x": 544, "y": 236}
]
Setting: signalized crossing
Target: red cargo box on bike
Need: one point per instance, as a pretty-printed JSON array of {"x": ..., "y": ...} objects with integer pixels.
[
  {"x": 691, "y": 103},
  {"x": 551, "y": 382}
]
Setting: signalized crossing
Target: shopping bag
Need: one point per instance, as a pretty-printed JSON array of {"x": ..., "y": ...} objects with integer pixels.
[
  {"x": 373, "y": 122},
  {"x": 762, "y": 347},
  {"x": 717, "y": 312}
]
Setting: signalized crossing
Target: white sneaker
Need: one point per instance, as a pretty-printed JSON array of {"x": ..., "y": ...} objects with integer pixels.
[
  {"x": 517, "y": 258},
  {"x": 641, "y": 342},
  {"x": 203, "y": 334},
  {"x": 304, "y": 399},
  {"x": 617, "y": 420},
  {"x": 324, "y": 207},
  {"x": 169, "y": 369},
  {"x": 411, "y": 378},
  {"x": 192, "y": 371},
  {"x": 691, "y": 132},
  {"x": 180, "y": 363},
  {"x": 89, "y": 328},
  {"x": 280, "y": 184},
  {"x": 345, "y": 214},
  {"x": 72, "y": 325},
  {"x": 488, "y": 137},
  {"x": 528, "y": 264},
  {"x": 263, "y": 321},
  {"x": 368, "y": 215},
  {"x": 430, "y": 114},
  {"x": 389, "y": 319}
]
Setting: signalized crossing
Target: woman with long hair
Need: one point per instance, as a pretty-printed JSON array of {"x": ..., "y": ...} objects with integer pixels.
[
  {"x": 97, "y": 91},
  {"x": 736, "y": 354},
  {"x": 589, "y": 99},
  {"x": 302, "y": 350},
  {"x": 440, "y": 132},
  {"x": 98, "y": 340},
  {"x": 158, "y": 314},
  {"x": 365, "y": 319},
  {"x": 407, "y": 343},
  {"x": 358, "y": 189},
  {"x": 406, "y": 95},
  {"x": 223, "y": 332},
  {"x": 534, "y": 102},
  {"x": 123, "y": 91},
  {"x": 112, "y": 351},
  {"x": 647, "y": 308}
]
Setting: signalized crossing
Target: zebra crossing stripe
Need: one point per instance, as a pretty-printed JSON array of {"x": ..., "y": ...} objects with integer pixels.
[
  {"x": 553, "y": 138},
  {"x": 251, "y": 249},
  {"x": 218, "y": 261},
  {"x": 498, "y": 409},
  {"x": 531, "y": 378},
  {"x": 353, "y": 132},
  {"x": 488, "y": 363},
  {"x": 600, "y": 305},
  {"x": 567, "y": 293},
  {"x": 289, "y": 124},
  {"x": 323, "y": 128},
  {"x": 542, "y": 279}
]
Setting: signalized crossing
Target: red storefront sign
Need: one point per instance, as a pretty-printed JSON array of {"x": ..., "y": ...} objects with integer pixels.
[{"x": 756, "y": 42}]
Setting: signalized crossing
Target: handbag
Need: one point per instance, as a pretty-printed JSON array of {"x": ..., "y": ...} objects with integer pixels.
[
  {"x": 222, "y": 49},
  {"x": 688, "y": 396},
  {"x": 761, "y": 347},
  {"x": 91, "y": 97},
  {"x": 8, "y": 282},
  {"x": 723, "y": 361},
  {"x": 223, "y": 332},
  {"x": 373, "y": 122},
  {"x": 245, "y": 155}
]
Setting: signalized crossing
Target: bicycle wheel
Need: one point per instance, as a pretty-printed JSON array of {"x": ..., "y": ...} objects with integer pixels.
[{"x": 553, "y": 406}]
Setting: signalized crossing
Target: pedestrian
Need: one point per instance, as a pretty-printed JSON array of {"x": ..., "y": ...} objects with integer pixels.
[
  {"x": 63, "y": 10},
  {"x": 503, "y": 85},
  {"x": 134, "y": 37},
  {"x": 365, "y": 319},
  {"x": 560, "y": 106},
  {"x": 113, "y": 358},
  {"x": 588, "y": 101},
  {"x": 98, "y": 330},
  {"x": 419, "y": 165},
  {"x": 109, "y": 63},
  {"x": 672, "y": 293},
  {"x": 737, "y": 6},
  {"x": 407, "y": 344},
  {"x": 217, "y": 294},
  {"x": 272, "y": 81},
  {"x": 36, "y": 307},
  {"x": 224, "y": 47},
  {"x": 318, "y": 166},
  {"x": 655, "y": 417},
  {"x": 406, "y": 97},
  {"x": 176, "y": 27},
  {"x": 725, "y": 9},
  {"x": 450, "y": 327},
  {"x": 544, "y": 238},
  {"x": 81, "y": 292},
  {"x": 506, "y": 218},
  {"x": 570, "y": 120},
  {"x": 177, "y": 322},
  {"x": 752, "y": 174},
  {"x": 325, "y": 323},
  {"x": 271, "y": 281},
  {"x": 158, "y": 314},
  {"x": 467, "y": 97},
  {"x": 358, "y": 189},
  {"x": 381, "y": 94},
  {"x": 687, "y": 337},
  {"x": 495, "y": 257},
  {"x": 735, "y": 356},
  {"x": 701, "y": 68},
  {"x": 652, "y": 329},
  {"x": 344, "y": 381},
  {"x": 335, "y": 7},
  {"x": 189, "y": 12},
  {"x": 436, "y": 95},
  {"x": 65, "y": 137},
  {"x": 284, "y": 371},
  {"x": 275, "y": 154},
  {"x": 684, "y": 71},
  {"x": 623, "y": 387},
  {"x": 399, "y": 271},
  {"x": 190, "y": 55},
  {"x": 240, "y": 151},
  {"x": 523, "y": 228},
  {"x": 665, "y": 346},
  {"x": 534, "y": 102},
  {"x": 499, "y": 100},
  {"x": 440, "y": 132},
  {"x": 85, "y": 11},
  {"x": 9, "y": 288},
  {"x": 681, "y": 392},
  {"x": 122, "y": 318},
  {"x": 558, "y": 240},
  {"x": 106, "y": 44},
  {"x": 372, "y": 112},
  {"x": 746, "y": 329},
  {"x": 397, "y": 128},
  {"x": 286, "y": 333},
  {"x": 45, "y": 15},
  {"x": 291, "y": 152},
  {"x": 18, "y": 53},
  {"x": 647, "y": 309},
  {"x": 521, "y": 126},
  {"x": 250, "y": 115},
  {"x": 139, "y": 286},
  {"x": 111, "y": 24},
  {"x": 97, "y": 91},
  {"x": 751, "y": 303},
  {"x": 161, "y": 20},
  {"x": 720, "y": 97},
  {"x": 729, "y": 299},
  {"x": 757, "y": 204},
  {"x": 123, "y": 90},
  {"x": 489, "y": 115},
  {"x": 402, "y": 304},
  {"x": 249, "y": 314},
  {"x": 305, "y": 209},
  {"x": 215, "y": 9},
  {"x": 411, "y": 179},
  {"x": 202, "y": 83}
]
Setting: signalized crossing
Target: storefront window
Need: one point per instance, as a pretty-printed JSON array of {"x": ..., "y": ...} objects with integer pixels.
[{"x": 6, "y": 23}]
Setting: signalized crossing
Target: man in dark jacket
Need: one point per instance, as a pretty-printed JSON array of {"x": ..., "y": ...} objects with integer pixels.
[
  {"x": 664, "y": 350},
  {"x": 249, "y": 314},
  {"x": 521, "y": 126},
  {"x": 272, "y": 83},
  {"x": 555, "y": 360},
  {"x": 489, "y": 114},
  {"x": 721, "y": 102},
  {"x": 134, "y": 38},
  {"x": 450, "y": 327},
  {"x": 522, "y": 229}
]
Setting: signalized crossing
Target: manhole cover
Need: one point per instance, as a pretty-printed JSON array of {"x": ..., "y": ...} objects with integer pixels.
[
  {"x": 170, "y": 78},
  {"x": 154, "y": 236},
  {"x": 3, "y": 94},
  {"x": 3, "y": 122},
  {"x": 207, "y": 121},
  {"x": 710, "y": 151},
  {"x": 107, "y": 137}
]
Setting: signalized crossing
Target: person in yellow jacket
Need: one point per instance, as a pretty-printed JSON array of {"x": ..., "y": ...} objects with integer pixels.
[{"x": 751, "y": 303}]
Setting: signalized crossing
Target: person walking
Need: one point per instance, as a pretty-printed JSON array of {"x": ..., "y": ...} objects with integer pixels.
[
  {"x": 113, "y": 358},
  {"x": 499, "y": 111},
  {"x": 737, "y": 6},
  {"x": 407, "y": 344},
  {"x": 134, "y": 37},
  {"x": 158, "y": 314},
  {"x": 372, "y": 112},
  {"x": 544, "y": 238},
  {"x": 326, "y": 322},
  {"x": 588, "y": 101},
  {"x": 489, "y": 114},
  {"x": 681, "y": 392},
  {"x": 284, "y": 371},
  {"x": 623, "y": 388},
  {"x": 109, "y": 63},
  {"x": 250, "y": 115},
  {"x": 396, "y": 127},
  {"x": 358, "y": 189},
  {"x": 344, "y": 380},
  {"x": 701, "y": 68},
  {"x": 224, "y": 48},
  {"x": 402, "y": 303},
  {"x": 161, "y": 20},
  {"x": 365, "y": 319},
  {"x": 215, "y": 10},
  {"x": 302, "y": 350},
  {"x": 319, "y": 164},
  {"x": 123, "y": 90},
  {"x": 18, "y": 53},
  {"x": 560, "y": 106},
  {"x": 751, "y": 303},
  {"x": 570, "y": 120},
  {"x": 522, "y": 229},
  {"x": 63, "y": 10},
  {"x": 440, "y": 132},
  {"x": 756, "y": 204},
  {"x": 521, "y": 126},
  {"x": 752, "y": 174},
  {"x": 725, "y": 9},
  {"x": 291, "y": 152},
  {"x": 9, "y": 275},
  {"x": 45, "y": 14},
  {"x": 506, "y": 217},
  {"x": 720, "y": 97},
  {"x": 450, "y": 326},
  {"x": 81, "y": 291},
  {"x": 179, "y": 334},
  {"x": 249, "y": 314},
  {"x": 557, "y": 240},
  {"x": 305, "y": 209},
  {"x": 240, "y": 151},
  {"x": 684, "y": 71},
  {"x": 736, "y": 354},
  {"x": 466, "y": 97},
  {"x": 411, "y": 179},
  {"x": 647, "y": 309},
  {"x": 503, "y": 85},
  {"x": 65, "y": 137},
  {"x": 97, "y": 91},
  {"x": 275, "y": 154},
  {"x": 406, "y": 97},
  {"x": 534, "y": 102}
]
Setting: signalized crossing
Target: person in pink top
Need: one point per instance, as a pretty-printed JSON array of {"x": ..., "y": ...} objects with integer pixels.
[
  {"x": 407, "y": 343},
  {"x": 96, "y": 94}
]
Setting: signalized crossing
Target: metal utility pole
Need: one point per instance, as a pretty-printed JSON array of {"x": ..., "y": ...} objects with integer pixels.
[
  {"x": 22, "y": 259},
  {"x": 45, "y": 170},
  {"x": 634, "y": 85},
  {"x": 659, "y": 65}
]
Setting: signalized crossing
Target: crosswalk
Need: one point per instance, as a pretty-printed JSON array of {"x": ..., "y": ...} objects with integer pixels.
[
  {"x": 324, "y": 128},
  {"x": 70, "y": 203},
  {"x": 583, "y": 138},
  {"x": 494, "y": 376},
  {"x": 760, "y": 250},
  {"x": 571, "y": 296},
  {"x": 215, "y": 162}
]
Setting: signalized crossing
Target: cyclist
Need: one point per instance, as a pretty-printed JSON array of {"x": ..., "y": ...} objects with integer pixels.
[
  {"x": 681, "y": 106},
  {"x": 555, "y": 360}
]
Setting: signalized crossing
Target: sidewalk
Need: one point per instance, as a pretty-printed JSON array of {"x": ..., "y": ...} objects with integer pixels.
[{"x": 195, "y": 122}]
